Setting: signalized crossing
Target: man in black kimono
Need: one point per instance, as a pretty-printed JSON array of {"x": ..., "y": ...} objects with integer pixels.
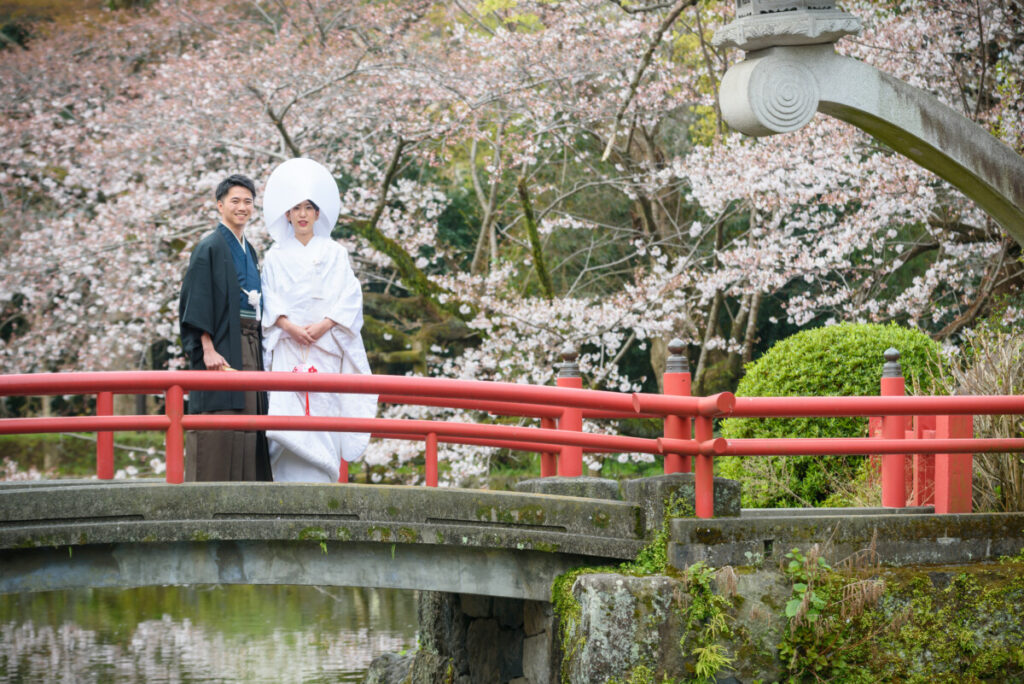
[{"x": 218, "y": 312}]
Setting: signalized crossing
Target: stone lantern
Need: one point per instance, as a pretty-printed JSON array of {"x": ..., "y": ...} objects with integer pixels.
[
  {"x": 791, "y": 71},
  {"x": 748, "y": 8},
  {"x": 761, "y": 24}
]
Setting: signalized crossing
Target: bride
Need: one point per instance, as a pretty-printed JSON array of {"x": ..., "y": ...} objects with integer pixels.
[{"x": 313, "y": 313}]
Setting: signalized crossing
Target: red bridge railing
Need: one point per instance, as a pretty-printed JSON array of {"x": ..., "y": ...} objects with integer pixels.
[{"x": 936, "y": 431}]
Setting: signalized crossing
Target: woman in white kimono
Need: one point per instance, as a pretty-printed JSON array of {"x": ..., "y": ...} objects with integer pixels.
[{"x": 313, "y": 313}]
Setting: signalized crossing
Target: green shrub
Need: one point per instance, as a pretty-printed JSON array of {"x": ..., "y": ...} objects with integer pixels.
[{"x": 838, "y": 360}]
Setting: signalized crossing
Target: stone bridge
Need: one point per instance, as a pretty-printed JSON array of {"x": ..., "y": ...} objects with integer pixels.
[{"x": 62, "y": 534}]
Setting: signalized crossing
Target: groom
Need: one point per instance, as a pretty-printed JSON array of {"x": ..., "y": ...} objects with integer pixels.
[{"x": 218, "y": 311}]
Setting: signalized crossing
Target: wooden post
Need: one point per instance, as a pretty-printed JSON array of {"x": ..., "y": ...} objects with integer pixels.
[
  {"x": 953, "y": 472},
  {"x": 570, "y": 463},
  {"x": 431, "y": 466},
  {"x": 174, "y": 442},
  {"x": 676, "y": 382},
  {"x": 548, "y": 459},
  {"x": 924, "y": 464},
  {"x": 704, "y": 477},
  {"x": 104, "y": 440},
  {"x": 894, "y": 475}
]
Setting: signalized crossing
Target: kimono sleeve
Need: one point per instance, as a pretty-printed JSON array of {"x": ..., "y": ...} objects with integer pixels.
[
  {"x": 345, "y": 291},
  {"x": 274, "y": 302},
  {"x": 195, "y": 305}
]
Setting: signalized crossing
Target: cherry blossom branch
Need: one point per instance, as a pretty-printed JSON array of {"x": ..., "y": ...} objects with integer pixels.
[
  {"x": 489, "y": 202},
  {"x": 984, "y": 291},
  {"x": 599, "y": 380},
  {"x": 252, "y": 148},
  {"x": 411, "y": 275},
  {"x": 654, "y": 7},
  {"x": 644, "y": 63}
]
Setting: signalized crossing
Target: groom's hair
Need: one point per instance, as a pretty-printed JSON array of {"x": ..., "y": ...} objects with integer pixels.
[{"x": 233, "y": 180}]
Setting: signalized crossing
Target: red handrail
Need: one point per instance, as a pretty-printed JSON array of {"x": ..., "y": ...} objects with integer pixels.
[{"x": 566, "y": 404}]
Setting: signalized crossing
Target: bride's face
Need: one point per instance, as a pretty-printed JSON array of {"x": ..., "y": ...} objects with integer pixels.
[{"x": 302, "y": 217}]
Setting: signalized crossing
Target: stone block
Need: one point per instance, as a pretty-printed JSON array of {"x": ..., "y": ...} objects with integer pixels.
[
  {"x": 897, "y": 539},
  {"x": 389, "y": 668},
  {"x": 427, "y": 668},
  {"x": 475, "y": 606},
  {"x": 537, "y": 661},
  {"x": 651, "y": 493},
  {"x": 435, "y": 610},
  {"x": 587, "y": 487},
  {"x": 482, "y": 647},
  {"x": 538, "y": 617},
  {"x": 624, "y": 622},
  {"x": 510, "y": 654}
]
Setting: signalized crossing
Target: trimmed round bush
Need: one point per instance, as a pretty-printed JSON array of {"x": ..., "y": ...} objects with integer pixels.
[{"x": 837, "y": 360}]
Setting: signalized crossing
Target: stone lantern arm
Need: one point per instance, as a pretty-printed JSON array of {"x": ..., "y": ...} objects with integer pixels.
[{"x": 778, "y": 90}]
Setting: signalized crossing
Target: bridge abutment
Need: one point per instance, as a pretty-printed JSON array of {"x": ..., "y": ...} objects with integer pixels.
[{"x": 467, "y": 638}]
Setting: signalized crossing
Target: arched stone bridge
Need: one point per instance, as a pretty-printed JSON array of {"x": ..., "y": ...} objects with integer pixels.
[{"x": 61, "y": 534}]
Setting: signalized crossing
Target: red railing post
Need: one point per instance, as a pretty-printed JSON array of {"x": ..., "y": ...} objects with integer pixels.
[
  {"x": 548, "y": 459},
  {"x": 431, "y": 466},
  {"x": 874, "y": 460},
  {"x": 953, "y": 472},
  {"x": 174, "y": 442},
  {"x": 104, "y": 440},
  {"x": 704, "y": 475},
  {"x": 894, "y": 474},
  {"x": 343, "y": 472},
  {"x": 924, "y": 464},
  {"x": 570, "y": 463},
  {"x": 676, "y": 382}
]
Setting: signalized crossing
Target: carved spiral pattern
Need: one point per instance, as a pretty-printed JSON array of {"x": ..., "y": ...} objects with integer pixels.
[{"x": 784, "y": 95}]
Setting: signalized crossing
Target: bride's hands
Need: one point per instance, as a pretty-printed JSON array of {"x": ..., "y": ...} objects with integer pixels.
[
  {"x": 317, "y": 330},
  {"x": 296, "y": 332}
]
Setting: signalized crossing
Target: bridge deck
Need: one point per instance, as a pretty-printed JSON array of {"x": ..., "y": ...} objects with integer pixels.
[{"x": 65, "y": 533}]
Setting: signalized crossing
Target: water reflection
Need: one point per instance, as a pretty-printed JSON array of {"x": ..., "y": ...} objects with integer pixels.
[{"x": 230, "y": 633}]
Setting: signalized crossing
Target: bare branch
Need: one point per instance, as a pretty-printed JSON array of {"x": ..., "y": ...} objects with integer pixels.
[
  {"x": 645, "y": 61},
  {"x": 624, "y": 5}
]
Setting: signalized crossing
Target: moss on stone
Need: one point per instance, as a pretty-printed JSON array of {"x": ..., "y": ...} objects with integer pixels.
[
  {"x": 933, "y": 624},
  {"x": 929, "y": 624},
  {"x": 513, "y": 516}
]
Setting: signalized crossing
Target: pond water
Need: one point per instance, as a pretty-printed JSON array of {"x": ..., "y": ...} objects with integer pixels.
[{"x": 223, "y": 633}]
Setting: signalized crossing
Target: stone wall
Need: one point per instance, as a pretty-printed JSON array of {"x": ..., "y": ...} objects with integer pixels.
[
  {"x": 876, "y": 624},
  {"x": 466, "y": 639}
]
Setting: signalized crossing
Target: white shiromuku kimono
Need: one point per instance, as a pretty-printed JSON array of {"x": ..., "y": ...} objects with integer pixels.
[{"x": 308, "y": 283}]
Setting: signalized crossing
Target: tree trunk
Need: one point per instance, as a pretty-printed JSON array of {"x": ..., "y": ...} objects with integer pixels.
[
  {"x": 709, "y": 333},
  {"x": 751, "y": 336},
  {"x": 735, "y": 360}
]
